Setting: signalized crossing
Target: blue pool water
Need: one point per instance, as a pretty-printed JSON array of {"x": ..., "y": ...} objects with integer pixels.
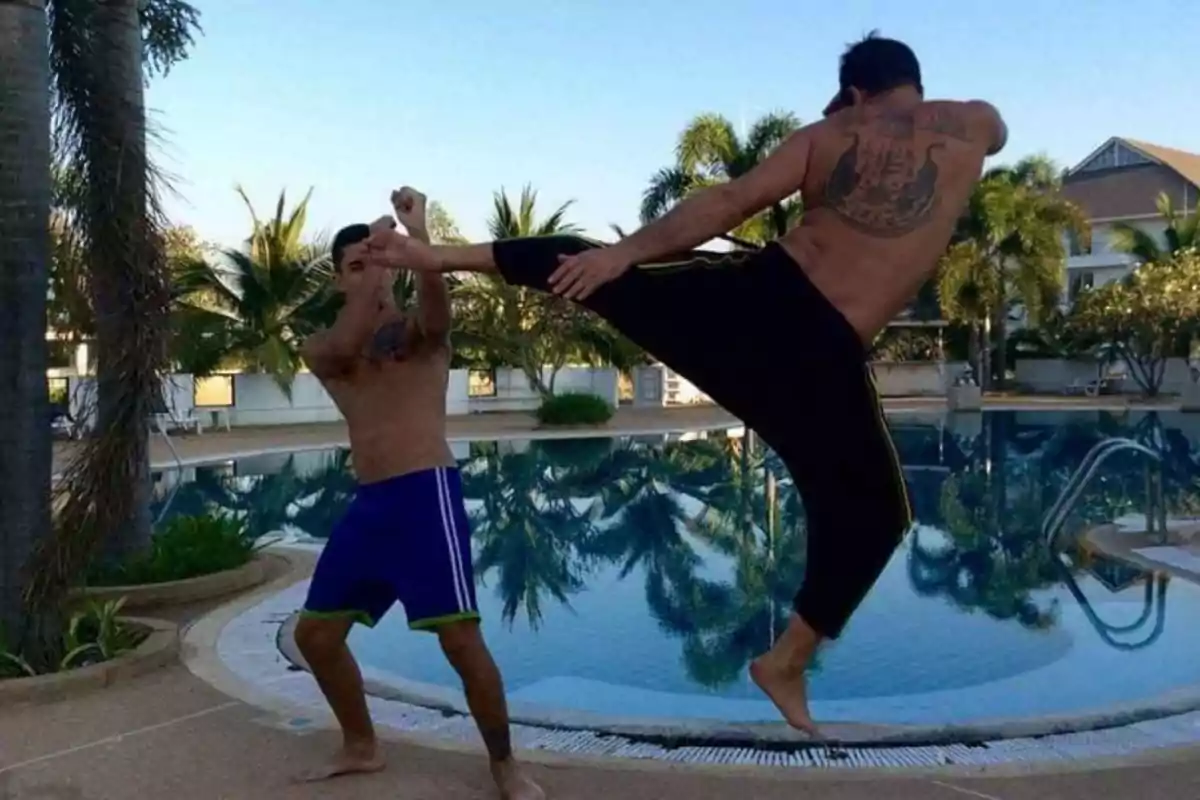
[{"x": 638, "y": 576}]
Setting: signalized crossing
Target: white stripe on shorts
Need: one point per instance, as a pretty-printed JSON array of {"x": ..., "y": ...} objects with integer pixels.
[{"x": 450, "y": 529}]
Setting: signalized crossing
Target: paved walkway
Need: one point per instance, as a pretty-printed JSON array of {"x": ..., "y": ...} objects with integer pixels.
[{"x": 171, "y": 735}]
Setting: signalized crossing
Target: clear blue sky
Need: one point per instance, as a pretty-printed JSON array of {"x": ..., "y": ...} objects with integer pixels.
[{"x": 584, "y": 98}]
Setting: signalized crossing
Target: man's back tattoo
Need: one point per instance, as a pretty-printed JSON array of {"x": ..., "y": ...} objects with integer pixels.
[{"x": 885, "y": 184}]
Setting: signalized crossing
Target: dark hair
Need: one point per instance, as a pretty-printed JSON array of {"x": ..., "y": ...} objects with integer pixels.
[
  {"x": 876, "y": 64},
  {"x": 351, "y": 234}
]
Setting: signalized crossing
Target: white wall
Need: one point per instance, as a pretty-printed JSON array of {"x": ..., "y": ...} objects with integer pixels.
[
  {"x": 258, "y": 400},
  {"x": 915, "y": 378},
  {"x": 1052, "y": 375},
  {"x": 513, "y": 392},
  {"x": 81, "y": 397}
]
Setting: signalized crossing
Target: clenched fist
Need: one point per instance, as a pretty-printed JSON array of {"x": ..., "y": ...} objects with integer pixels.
[{"x": 409, "y": 205}]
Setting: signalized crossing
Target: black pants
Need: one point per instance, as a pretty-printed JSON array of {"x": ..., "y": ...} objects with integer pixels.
[{"x": 752, "y": 332}]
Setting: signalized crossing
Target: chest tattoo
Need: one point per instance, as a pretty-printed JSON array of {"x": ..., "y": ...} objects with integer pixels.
[{"x": 390, "y": 342}]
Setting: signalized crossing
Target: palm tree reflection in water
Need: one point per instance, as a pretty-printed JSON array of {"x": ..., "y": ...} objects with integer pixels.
[{"x": 714, "y": 527}]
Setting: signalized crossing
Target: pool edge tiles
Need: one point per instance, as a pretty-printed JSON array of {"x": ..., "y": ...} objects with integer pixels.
[{"x": 248, "y": 648}]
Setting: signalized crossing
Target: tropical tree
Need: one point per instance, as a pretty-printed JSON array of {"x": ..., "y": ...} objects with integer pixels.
[
  {"x": 97, "y": 69},
  {"x": 69, "y": 301},
  {"x": 25, "y": 196},
  {"x": 1008, "y": 251},
  {"x": 251, "y": 308},
  {"x": 1182, "y": 233},
  {"x": 536, "y": 332},
  {"x": 709, "y": 151},
  {"x": 442, "y": 227},
  {"x": 1149, "y": 316}
]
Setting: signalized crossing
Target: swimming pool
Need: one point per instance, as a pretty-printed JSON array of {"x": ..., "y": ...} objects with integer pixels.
[{"x": 636, "y": 577}]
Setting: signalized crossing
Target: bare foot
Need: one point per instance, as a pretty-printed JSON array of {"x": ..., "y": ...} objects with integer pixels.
[
  {"x": 513, "y": 783},
  {"x": 347, "y": 761},
  {"x": 788, "y": 690}
]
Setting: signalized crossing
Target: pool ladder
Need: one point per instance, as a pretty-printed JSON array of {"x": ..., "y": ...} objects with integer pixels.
[{"x": 1055, "y": 518}]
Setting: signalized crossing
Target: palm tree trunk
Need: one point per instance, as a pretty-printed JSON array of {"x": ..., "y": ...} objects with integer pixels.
[
  {"x": 127, "y": 292},
  {"x": 24, "y": 282}
]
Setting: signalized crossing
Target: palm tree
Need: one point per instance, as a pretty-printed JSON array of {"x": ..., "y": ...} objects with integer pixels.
[
  {"x": 512, "y": 325},
  {"x": 253, "y": 307},
  {"x": 710, "y": 151},
  {"x": 100, "y": 56},
  {"x": 1182, "y": 232},
  {"x": 25, "y": 195},
  {"x": 1008, "y": 250}
]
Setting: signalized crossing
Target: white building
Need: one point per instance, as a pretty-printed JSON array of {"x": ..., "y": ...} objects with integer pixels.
[{"x": 1120, "y": 182}]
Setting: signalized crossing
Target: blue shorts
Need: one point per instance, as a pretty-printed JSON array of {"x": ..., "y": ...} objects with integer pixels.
[{"x": 405, "y": 539}]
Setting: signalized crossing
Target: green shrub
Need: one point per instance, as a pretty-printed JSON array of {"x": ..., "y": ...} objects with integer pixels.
[
  {"x": 186, "y": 547},
  {"x": 94, "y": 635},
  {"x": 574, "y": 408}
]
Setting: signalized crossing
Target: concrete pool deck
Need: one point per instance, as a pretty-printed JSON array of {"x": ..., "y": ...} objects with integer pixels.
[{"x": 173, "y": 734}]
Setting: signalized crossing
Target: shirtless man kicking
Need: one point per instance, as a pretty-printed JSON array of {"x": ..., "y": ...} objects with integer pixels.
[
  {"x": 405, "y": 536},
  {"x": 780, "y": 336}
]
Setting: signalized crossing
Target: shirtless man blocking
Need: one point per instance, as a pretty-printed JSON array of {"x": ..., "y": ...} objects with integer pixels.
[
  {"x": 780, "y": 336},
  {"x": 405, "y": 536}
]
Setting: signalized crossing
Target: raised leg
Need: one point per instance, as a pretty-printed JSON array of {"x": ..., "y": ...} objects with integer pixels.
[{"x": 857, "y": 510}]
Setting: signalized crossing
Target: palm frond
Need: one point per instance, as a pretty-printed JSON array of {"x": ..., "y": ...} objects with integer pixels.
[
  {"x": 708, "y": 145},
  {"x": 1132, "y": 239},
  {"x": 668, "y": 186},
  {"x": 770, "y": 131}
]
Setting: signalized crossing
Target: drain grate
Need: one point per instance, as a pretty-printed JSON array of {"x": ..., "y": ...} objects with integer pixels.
[{"x": 247, "y": 646}]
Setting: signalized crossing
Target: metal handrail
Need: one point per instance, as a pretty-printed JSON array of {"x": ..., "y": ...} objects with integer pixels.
[
  {"x": 1154, "y": 604},
  {"x": 1053, "y": 521}
]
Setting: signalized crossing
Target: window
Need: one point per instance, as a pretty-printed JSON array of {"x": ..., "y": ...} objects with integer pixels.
[
  {"x": 1080, "y": 282},
  {"x": 58, "y": 392},
  {"x": 624, "y": 387},
  {"x": 1077, "y": 246},
  {"x": 215, "y": 391},
  {"x": 481, "y": 383}
]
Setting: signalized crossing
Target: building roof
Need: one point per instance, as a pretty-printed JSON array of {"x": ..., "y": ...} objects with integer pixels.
[
  {"x": 1185, "y": 163},
  {"x": 1181, "y": 162}
]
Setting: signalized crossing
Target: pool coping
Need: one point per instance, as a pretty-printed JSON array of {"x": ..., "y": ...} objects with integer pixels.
[
  {"x": 505, "y": 436},
  {"x": 935, "y": 406},
  {"x": 700, "y": 732},
  {"x": 234, "y": 648}
]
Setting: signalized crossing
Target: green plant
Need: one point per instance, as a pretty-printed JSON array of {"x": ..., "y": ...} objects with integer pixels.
[
  {"x": 710, "y": 151},
  {"x": 574, "y": 408},
  {"x": 187, "y": 547},
  {"x": 1151, "y": 315},
  {"x": 93, "y": 635}
]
